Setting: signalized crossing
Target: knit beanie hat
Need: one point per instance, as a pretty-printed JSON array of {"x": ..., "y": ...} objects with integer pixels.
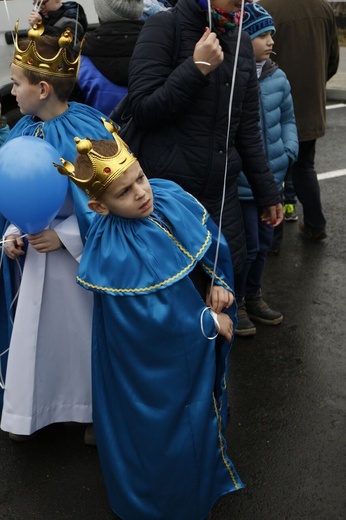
[
  {"x": 117, "y": 10},
  {"x": 257, "y": 20}
]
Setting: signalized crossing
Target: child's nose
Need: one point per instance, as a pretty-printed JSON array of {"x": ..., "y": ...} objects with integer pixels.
[{"x": 140, "y": 192}]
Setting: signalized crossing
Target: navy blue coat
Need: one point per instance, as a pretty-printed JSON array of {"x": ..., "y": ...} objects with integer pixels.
[{"x": 184, "y": 115}]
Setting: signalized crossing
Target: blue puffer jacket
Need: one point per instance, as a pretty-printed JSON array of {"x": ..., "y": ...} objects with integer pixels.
[{"x": 278, "y": 126}]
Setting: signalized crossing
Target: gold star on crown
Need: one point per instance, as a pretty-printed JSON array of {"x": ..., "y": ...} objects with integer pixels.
[
  {"x": 105, "y": 169},
  {"x": 31, "y": 59}
]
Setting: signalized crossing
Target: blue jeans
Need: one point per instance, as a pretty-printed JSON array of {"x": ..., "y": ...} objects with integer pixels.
[
  {"x": 306, "y": 185},
  {"x": 259, "y": 237},
  {"x": 289, "y": 193}
]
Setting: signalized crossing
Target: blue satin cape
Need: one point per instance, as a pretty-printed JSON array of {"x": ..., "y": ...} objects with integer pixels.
[{"x": 158, "y": 385}]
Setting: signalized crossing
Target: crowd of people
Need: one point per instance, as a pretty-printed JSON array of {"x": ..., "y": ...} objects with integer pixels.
[{"x": 138, "y": 348}]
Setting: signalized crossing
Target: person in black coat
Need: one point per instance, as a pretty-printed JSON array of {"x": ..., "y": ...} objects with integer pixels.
[
  {"x": 106, "y": 54},
  {"x": 180, "y": 82}
]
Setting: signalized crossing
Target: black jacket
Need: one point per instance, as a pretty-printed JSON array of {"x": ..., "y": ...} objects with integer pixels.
[
  {"x": 185, "y": 117},
  {"x": 110, "y": 47},
  {"x": 70, "y": 14}
]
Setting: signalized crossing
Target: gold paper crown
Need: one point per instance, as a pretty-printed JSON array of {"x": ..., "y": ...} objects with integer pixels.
[
  {"x": 105, "y": 169},
  {"x": 30, "y": 58}
]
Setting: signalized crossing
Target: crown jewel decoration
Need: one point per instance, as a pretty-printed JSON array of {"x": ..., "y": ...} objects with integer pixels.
[
  {"x": 31, "y": 59},
  {"x": 105, "y": 169}
]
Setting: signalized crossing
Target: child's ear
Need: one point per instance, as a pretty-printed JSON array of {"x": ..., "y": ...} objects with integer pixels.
[
  {"x": 45, "y": 89},
  {"x": 98, "y": 207}
]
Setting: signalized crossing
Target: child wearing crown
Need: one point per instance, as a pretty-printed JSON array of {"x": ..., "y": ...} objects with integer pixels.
[
  {"x": 48, "y": 377},
  {"x": 158, "y": 371}
]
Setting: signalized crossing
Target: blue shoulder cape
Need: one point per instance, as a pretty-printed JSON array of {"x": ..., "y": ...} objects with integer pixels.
[{"x": 162, "y": 248}]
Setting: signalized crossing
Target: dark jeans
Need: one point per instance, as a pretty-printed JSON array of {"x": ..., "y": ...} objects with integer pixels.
[
  {"x": 259, "y": 237},
  {"x": 289, "y": 193},
  {"x": 306, "y": 185}
]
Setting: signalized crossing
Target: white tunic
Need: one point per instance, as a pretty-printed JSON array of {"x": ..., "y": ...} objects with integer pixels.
[{"x": 48, "y": 376}]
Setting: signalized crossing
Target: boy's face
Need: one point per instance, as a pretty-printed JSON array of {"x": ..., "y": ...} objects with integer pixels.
[
  {"x": 130, "y": 196},
  {"x": 26, "y": 94},
  {"x": 263, "y": 46},
  {"x": 48, "y": 5},
  {"x": 232, "y": 6}
]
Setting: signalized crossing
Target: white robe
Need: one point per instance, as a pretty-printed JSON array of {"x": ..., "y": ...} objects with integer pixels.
[{"x": 48, "y": 376}]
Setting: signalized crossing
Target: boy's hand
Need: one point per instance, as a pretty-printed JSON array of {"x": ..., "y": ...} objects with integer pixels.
[
  {"x": 219, "y": 298},
  {"x": 45, "y": 242},
  {"x": 34, "y": 17},
  {"x": 208, "y": 52},
  {"x": 14, "y": 246},
  {"x": 226, "y": 326}
]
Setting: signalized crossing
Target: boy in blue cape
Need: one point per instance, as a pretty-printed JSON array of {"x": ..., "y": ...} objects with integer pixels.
[
  {"x": 158, "y": 372},
  {"x": 48, "y": 376}
]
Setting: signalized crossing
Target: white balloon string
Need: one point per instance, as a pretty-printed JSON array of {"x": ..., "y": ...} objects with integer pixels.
[
  {"x": 9, "y": 18},
  {"x": 234, "y": 73},
  {"x": 75, "y": 34},
  {"x": 6, "y": 240},
  {"x": 216, "y": 323},
  {"x": 209, "y": 14},
  {"x": 17, "y": 293},
  {"x": 37, "y": 6},
  {"x": 20, "y": 270},
  {"x": 2, "y": 378}
]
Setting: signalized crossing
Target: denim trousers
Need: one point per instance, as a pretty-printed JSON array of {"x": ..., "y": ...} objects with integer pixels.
[
  {"x": 289, "y": 193},
  {"x": 306, "y": 185},
  {"x": 259, "y": 237}
]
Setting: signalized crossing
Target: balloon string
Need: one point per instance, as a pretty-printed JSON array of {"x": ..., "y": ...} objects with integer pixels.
[
  {"x": 234, "y": 73},
  {"x": 2, "y": 378},
  {"x": 37, "y": 5},
  {"x": 9, "y": 18},
  {"x": 3, "y": 241}
]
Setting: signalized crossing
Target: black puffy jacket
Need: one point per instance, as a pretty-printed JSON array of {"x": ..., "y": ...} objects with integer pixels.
[
  {"x": 110, "y": 47},
  {"x": 185, "y": 117},
  {"x": 70, "y": 14}
]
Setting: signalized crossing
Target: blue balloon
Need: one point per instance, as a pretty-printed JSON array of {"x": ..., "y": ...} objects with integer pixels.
[{"x": 32, "y": 191}]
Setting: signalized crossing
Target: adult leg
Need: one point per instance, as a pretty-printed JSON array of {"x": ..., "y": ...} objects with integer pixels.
[
  {"x": 251, "y": 221},
  {"x": 307, "y": 188}
]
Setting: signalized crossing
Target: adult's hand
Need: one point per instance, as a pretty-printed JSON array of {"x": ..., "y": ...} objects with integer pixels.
[
  {"x": 272, "y": 215},
  {"x": 208, "y": 53},
  {"x": 34, "y": 17}
]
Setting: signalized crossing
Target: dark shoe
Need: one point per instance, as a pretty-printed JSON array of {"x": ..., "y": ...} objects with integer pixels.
[
  {"x": 21, "y": 438},
  {"x": 290, "y": 213},
  {"x": 259, "y": 310},
  {"x": 245, "y": 326},
  {"x": 273, "y": 252},
  {"x": 313, "y": 234},
  {"x": 89, "y": 435}
]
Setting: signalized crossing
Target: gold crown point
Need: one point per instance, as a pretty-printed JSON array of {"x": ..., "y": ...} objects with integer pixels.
[
  {"x": 110, "y": 126},
  {"x": 36, "y": 31},
  {"x": 66, "y": 38},
  {"x": 83, "y": 146}
]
